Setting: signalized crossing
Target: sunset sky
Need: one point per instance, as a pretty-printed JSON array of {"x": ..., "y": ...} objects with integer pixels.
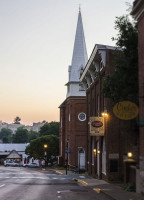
[{"x": 36, "y": 45}]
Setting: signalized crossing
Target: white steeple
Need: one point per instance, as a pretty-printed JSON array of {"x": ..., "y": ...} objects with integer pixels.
[{"x": 79, "y": 60}]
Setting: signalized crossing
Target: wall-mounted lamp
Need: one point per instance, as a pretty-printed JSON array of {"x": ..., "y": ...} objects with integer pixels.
[
  {"x": 105, "y": 114},
  {"x": 94, "y": 150},
  {"x": 98, "y": 151},
  {"x": 129, "y": 154}
]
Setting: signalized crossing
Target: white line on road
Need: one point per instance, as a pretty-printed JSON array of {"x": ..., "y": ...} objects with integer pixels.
[
  {"x": 2, "y": 185},
  {"x": 25, "y": 177}
]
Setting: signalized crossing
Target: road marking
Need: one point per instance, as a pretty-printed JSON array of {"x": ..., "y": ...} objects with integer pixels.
[
  {"x": 2, "y": 185},
  {"x": 45, "y": 178},
  {"x": 97, "y": 190},
  {"x": 80, "y": 181},
  {"x": 59, "y": 172},
  {"x": 62, "y": 191}
]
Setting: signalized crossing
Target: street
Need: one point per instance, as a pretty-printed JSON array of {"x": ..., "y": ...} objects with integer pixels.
[{"x": 18, "y": 183}]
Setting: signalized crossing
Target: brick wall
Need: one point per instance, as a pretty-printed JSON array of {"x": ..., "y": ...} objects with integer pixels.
[
  {"x": 141, "y": 78},
  {"x": 75, "y": 129}
]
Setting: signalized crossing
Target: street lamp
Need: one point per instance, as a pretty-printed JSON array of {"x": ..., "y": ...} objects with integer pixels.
[
  {"x": 67, "y": 152},
  {"x": 45, "y": 153}
]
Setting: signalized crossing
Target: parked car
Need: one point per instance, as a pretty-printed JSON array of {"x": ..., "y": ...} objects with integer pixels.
[
  {"x": 11, "y": 163},
  {"x": 31, "y": 165}
]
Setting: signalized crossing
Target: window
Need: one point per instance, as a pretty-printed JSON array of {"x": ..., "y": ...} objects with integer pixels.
[
  {"x": 82, "y": 116},
  {"x": 114, "y": 165}
]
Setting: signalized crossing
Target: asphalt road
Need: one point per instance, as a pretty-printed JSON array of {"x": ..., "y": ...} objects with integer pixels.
[{"x": 18, "y": 183}]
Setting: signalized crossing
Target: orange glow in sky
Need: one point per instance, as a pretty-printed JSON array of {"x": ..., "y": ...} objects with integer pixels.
[{"x": 36, "y": 46}]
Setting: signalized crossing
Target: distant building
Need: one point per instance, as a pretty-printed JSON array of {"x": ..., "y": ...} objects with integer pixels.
[
  {"x": 35, "y": 127},
  {"x": 6, "y": 149}
]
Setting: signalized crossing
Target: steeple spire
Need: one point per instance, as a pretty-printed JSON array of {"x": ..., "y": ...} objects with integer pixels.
[
  {"x": 79, "y": 60},
  {"x": 79, "y": 8}
]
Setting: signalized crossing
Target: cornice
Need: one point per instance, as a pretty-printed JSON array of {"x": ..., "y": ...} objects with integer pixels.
[{"x": 138, "y": 9}]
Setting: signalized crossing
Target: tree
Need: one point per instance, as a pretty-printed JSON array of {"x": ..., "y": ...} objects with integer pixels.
[
  {"x": 36, "y": 147},
  {"x": 51, "y": 128},
  {"x": 32, "y": 135},
  {"x": 21, "y": 136},
  {"x": 5, "y": 139},
  {"x": 17, "y": 120},
  {"x": 123, "y": 83},
  {"x": 6, "y": 135}
]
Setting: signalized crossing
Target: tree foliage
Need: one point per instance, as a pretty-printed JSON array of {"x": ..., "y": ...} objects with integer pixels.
[
  {"x": 32, "y": 135},
  {"x": 123, "y": 83},
  {"x": 6, "y": 135},
  {"x": 21, "y": 136},
  {"x": 17, "y": 120},
  {"x": 51, "y": 128},
  {"x": 36, "y": 147}
]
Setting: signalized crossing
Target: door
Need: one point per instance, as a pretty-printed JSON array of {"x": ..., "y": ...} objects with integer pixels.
[{"x": 81, "y": 158}]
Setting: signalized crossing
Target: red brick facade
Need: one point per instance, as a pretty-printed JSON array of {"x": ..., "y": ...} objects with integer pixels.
[
  {"x": 141, "y": 78},
  {"x": 121, "y": 136},
  {"x": 72, "y": 128},
  {"x": 138, "y": 14}
]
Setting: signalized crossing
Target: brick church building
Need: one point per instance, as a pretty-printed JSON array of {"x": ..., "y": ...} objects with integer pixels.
[{"x": 73, "y": 129}]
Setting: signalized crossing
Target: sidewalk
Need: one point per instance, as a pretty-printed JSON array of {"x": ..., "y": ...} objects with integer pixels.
[{"x": 112, "y": 190}]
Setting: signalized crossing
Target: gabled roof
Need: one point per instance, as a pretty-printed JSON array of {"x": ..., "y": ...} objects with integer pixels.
[
  {"x": 13, "y": 155},
  {"x": 138, "y": 9}
]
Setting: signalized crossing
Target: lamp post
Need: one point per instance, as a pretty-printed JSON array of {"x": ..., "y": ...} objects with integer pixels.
[
  {"x": 45, "y": 153},
  {"x": 67, "y": 152}
]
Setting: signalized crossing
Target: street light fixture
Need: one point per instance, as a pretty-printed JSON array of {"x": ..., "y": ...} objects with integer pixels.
[
  {"x": 129, "y": 154},
  {"x": 45, "y": 146},
  {"x": 45, "y": 153},
  {"x": 105, "y": 114}
]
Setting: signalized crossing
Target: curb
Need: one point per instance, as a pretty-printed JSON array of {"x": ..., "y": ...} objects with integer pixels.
[{"x": 98, "y": 190}]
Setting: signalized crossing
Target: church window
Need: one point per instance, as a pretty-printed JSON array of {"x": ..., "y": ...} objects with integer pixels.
[{"x": 82, "y": 116}]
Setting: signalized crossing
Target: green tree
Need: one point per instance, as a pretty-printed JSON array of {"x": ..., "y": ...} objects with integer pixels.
[
  {"x": 123, "y": 83},
  {"x": 21, "y": 136},
  {"x": 6, "y": 135},
  {"x": 17, "y": 120},
  {"x": 5, "y": 139},
  {"x": 32, "y": 135},
  {"x": 36, "y": 147},
  {"x": 51, "y": 128}
]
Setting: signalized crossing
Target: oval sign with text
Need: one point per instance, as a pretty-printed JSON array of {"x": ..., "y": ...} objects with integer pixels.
[
  {"x": 97, "y": 124},
  {"x": 125, "y": 110}
]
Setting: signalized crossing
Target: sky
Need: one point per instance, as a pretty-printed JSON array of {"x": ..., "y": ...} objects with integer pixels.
[{"x": 36, "y": 45}]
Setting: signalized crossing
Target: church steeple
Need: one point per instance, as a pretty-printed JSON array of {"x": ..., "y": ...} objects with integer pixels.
[{"x": 79, "y": 60}]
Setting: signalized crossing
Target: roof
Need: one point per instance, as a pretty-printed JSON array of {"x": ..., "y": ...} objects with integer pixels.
[
  {"x": 79, "y": 60},
  {"x": 13, "y": 155},
  {"x": 138, "y": 8},
  {"x": 100, "y": 51},
  {"x": 10, "y": 147},
  {"x": 63, "y": 104}
]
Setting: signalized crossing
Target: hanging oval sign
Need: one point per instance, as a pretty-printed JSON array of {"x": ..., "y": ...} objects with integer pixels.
[
  {"x": 97, "y": 124},
  {"x": 125, "y": 110}
]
